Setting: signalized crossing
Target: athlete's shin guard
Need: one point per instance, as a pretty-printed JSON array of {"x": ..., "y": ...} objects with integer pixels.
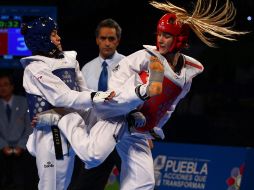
[{"x": 156, "y": 75}]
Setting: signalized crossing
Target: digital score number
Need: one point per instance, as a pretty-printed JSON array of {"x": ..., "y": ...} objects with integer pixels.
[{"x": 9, "y": 24}]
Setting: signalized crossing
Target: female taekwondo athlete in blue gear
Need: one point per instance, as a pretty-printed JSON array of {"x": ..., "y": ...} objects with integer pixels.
[{"x": 52, "y": 79}]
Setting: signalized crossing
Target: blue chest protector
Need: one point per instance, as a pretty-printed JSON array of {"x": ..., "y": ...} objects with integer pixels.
[{"x": 37, "y": 104}]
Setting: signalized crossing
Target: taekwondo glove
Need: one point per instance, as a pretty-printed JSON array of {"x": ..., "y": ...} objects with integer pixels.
[
  {"x": 136, "y": 119},
  {"x": 100, "y": 97}
]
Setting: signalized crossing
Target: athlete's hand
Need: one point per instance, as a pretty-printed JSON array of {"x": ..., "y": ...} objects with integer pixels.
[
  {"x": 100, "y": 96},
  {"x": 34, "y": 121},
  {"x": 112, "y": 95},
  {"x": 136, "y": 119},
  {"x": 7, "y": 151},
  {"x": 17, "y": 151}
]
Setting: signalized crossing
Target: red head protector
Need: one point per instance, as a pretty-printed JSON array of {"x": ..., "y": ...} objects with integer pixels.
[{"x": 169, "y": 24}]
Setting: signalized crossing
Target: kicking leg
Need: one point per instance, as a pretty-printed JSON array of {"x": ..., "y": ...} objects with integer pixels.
[{"x": 93, "y": 147}]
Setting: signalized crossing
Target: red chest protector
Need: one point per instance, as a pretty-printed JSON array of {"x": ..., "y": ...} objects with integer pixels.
[{"x": 155, "y": 108}]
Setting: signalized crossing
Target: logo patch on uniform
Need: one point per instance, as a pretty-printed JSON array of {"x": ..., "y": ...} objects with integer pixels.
[
  {"x": 48, "y": 165},
  {"x": 116, "y": 68}
]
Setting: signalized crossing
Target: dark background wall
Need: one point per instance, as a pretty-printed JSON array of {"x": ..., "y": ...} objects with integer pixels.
[{"x": 220, "y": 107}]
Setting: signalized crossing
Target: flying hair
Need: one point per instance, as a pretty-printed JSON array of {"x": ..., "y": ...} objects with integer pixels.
[{"x": 206, "y": 21}]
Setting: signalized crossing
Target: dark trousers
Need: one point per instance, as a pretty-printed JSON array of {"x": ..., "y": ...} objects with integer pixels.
[
  {"x": 18, "y": 173},
  {"x": 95, "y": 178}
]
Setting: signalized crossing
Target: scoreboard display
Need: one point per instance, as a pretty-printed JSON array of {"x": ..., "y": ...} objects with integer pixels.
[
  {"x": 11, "y": 41},
  {"x": 12, "y": 44}
]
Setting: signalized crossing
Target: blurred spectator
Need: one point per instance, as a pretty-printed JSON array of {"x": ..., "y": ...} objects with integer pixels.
[{"x": 16, "y": 165}]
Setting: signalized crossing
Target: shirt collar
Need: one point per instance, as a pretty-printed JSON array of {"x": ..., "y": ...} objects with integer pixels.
[
  {"x": 110, "y": 60},
  {"x": 9, "y": 102}
]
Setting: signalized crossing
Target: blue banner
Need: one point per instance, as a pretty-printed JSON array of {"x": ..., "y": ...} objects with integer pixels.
[{"x": 199, "y": 167}]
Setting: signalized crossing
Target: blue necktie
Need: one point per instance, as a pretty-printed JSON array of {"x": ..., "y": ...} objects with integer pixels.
[
  {"x": 103, "y": 80},
  {"x": 8, "y": 112}
]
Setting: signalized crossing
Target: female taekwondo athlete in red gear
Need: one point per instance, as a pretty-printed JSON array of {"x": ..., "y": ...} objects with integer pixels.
[
  {"x": 175, "y": 26},
  {"x": 173, "y": 30}
]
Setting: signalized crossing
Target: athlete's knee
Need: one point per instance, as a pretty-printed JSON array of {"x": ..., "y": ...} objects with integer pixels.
[
  {"x": 92, "y": 162},
  {"x": 72, "y": 118},
  {"x": 90, "y": 157}
]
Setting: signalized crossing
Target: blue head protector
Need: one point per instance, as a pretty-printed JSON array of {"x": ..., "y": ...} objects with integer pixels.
[{"x": 37, "y": 35}]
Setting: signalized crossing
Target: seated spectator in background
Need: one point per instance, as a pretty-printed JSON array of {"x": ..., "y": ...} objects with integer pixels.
[{"x": 15, "y": 162}]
